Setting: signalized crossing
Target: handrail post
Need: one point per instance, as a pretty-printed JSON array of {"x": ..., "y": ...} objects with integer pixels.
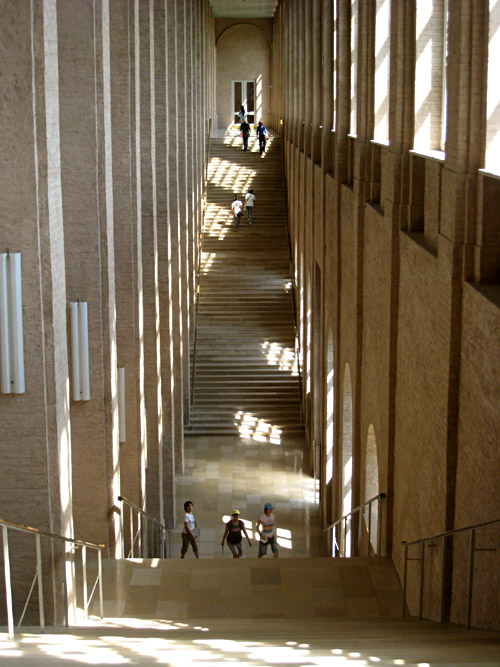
[
  {"x": 122, "y": 522},
  {"x": 41, "y": 605},
  {"x": 132, "y": 539},
  {"x": 84, "y": 573},
  {"x": 139, "y": 533},
  {"x": 345, "y": 535},
  {"x": 101, "y": 605},
  {"x": 379, "y": 525},
  {"x": 369, "y": 526},
  {"x": 421, "y": 602},
  {"x": 8, "y": 585},
  {"x": 65, "y": 586},
  {"x": 405, "y": 574},
  {"x": 471, "y": 575},
  {"x": 443, "y": 581},
  {"x": 360, "y": 532}
]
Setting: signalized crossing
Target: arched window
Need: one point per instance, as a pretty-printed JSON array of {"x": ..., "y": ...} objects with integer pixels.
[
  {"x": 330, "y": 403},
  {"x": 430, "y": 75},
  {"x": 382, "y": 53},
  {"x": 347, "y": 467},
  {"x": 492, "y": 161},
  {"x": 371, "y": 489}
]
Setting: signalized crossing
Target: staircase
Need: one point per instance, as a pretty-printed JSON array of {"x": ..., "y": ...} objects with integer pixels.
[
  {"x": 308, "y": 611},
  {"x": 246, "y": 373}
]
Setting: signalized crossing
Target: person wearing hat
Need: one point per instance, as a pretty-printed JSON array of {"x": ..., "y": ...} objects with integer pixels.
[
  {"x": 265, "y": 528},
  {"x": 233, "y": 534}
]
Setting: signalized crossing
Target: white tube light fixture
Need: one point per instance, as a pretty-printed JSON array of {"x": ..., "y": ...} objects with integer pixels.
[
  {"x": 80, "y": 351},
  {"x": 122, "y": 415},
  {"x": 11, "y": 324}
]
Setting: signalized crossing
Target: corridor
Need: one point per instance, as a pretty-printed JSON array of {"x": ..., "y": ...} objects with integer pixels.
[{"x": 246, "y": 443}]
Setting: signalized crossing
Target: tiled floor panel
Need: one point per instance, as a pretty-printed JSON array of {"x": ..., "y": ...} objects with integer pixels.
[{"x": 227, "y": 472}]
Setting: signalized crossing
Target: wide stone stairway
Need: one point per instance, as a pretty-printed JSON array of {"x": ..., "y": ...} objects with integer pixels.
[
  {"x": 292, "y": 612},
  {"x": 246, "y": 448},
  {"x": 246, "y": 373}
]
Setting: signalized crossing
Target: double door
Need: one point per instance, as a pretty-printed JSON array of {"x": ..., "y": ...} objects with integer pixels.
[{"x": 244, "y": 96}]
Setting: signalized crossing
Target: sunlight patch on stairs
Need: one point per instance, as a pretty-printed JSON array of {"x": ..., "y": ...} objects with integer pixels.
[
  {"x": 283, "y": 357},
  {"x": 218, "y": 221},
  {"x": 251, "y": 427},
  {"x": 228, "y": 175},
  {"x": 207, "y": 259}
]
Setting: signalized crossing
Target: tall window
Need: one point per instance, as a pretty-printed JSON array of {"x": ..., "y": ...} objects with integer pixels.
[
  {"x": 492, "y": 162},
  {"x": 430, "y": 75},
  {"x": 354, "y": 65},
  {"x": 382, "y": 49},
  {"x": 334, "y": 35}
]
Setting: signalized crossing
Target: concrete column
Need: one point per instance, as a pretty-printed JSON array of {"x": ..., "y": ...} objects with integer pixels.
[
  {"x": 89, "y": 251},
  {"x": 137, "y": 136},
  {"x": 36, "y": 472},
  {"x": 175, "y": 217},
  {"x": 164, "y": 342},
  {"x": 118, "y": 79},
  {"x": 183, "y": 116}
]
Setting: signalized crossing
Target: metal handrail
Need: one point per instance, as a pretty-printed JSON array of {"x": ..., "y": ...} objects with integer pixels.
[
  {"x": 160, "y": 546},
  {"x": 340, "y": 546},
  {"x": 198, "y": 274},
  {"x": 38, "y": 534},
  {"x": 443, "y": 536}
]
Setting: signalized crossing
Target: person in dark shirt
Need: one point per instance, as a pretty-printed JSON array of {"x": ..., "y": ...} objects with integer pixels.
[
  {"x": 245, "y": 133},
  {"x": 262, "y": 135},
  {"x": 233, "y": 531}
]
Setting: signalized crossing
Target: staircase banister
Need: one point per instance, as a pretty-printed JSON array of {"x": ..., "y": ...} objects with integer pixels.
[
  {"x": 122, "y": 499},
  {"x": 380, "y": 496},
  {"x": 450, "y": 532},
  {"x": 54, "y": 536}
]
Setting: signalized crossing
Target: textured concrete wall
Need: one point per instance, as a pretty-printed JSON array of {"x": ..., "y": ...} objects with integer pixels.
[
  {"x": 102, "y": 163},
  {"x": 405, "y": 237}
]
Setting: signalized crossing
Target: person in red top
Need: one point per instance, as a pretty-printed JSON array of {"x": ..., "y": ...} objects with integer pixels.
[{"x": 233, "y": 531}]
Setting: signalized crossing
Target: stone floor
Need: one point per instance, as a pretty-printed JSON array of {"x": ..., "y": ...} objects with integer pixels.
[
  {"x": 223, "y": 473},
  {"x": 299, "y": 643}
]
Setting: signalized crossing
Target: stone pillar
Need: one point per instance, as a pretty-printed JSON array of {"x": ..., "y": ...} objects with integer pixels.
[
  {"x": 175, "y": 218},
  {"x": 183, "y": 115},
  {"x": 119, "y": 86},
  {"x": 166, "y": 472},
  {"x": 36, "y": 473},
  {"x": 136, "y": 22}
]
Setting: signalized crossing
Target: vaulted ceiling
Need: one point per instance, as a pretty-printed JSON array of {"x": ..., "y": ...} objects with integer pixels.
[{"x": 243, "y": 8}]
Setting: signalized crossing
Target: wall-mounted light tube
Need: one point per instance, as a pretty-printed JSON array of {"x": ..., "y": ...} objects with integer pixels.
[
  {"x": 80, "y": 351},
  {"x": 122, "y": 415},
  {"x": 11, "y": 324}
]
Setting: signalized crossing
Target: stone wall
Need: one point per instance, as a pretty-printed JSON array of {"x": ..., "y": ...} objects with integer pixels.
[
  {"x": 107, "y": 108},
  {"x": 409, "y": 281},
  {"x": 243, "y": 53}
]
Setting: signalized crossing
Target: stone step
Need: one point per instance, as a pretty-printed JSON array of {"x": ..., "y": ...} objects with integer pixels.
[{"x": 245, "y": 305}]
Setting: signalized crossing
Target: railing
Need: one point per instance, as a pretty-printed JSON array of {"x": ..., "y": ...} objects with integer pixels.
[
  {"x": 75, "y": 544},
  {"x": 200, "y": 249},
  {"x": 443, "y": 536},
  {"x": 151, "y": 537},
  {"x": 342, "y": 528}
]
